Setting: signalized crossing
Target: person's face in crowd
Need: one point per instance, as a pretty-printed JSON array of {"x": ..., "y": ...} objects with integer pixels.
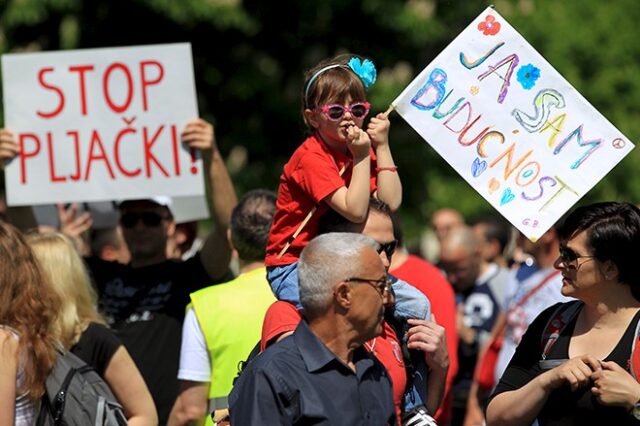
[
  {"x": 146, "y": 227},
  {"x": 444, "y": 221},
  {"x": 380, "y": 228},
  {"x": 121, "y": 253},
  {"x": 370, "y": 295},
  {"x": 489, "y": 250},
  {"x": 580, "y": 270},
  {"x": 461, "y": 266},
  {"x": 526, "y": 245}
]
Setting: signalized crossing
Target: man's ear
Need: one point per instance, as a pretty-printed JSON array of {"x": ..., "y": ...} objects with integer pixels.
[
  {"x": 229, "y": 239},
  {"x": 171, "y": 228},
  {"x": 311, "y": 118},
  {"x": 610, "y": 270},
  {"x": 343, "y": 295},
  {"x": 234, "y": 252}
]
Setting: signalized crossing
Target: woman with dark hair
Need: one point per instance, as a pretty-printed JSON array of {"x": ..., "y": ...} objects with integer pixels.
[
  {"x": 572, "y": 366},
  {"x": 28, "y": 337}
]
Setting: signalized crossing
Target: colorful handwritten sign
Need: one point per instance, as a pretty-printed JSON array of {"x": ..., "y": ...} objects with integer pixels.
[
  {"x": 100, "y": 124},
  {"x": 511, "y": 125}
]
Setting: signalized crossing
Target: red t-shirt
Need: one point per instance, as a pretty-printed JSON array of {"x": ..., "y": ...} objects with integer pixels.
[
  {"x": 311, "y": 175},
  {"x": 430, "y": 281},
  {"x": 283, "y": 316}
]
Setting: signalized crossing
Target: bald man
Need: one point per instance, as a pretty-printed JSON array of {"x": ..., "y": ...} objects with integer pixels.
[{"x": 479, "y": 287}]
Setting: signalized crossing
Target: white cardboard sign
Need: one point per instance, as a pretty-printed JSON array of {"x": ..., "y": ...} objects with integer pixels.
[
  {"x": 511, "y": 125},
  {"x": 100, "y": 124}
]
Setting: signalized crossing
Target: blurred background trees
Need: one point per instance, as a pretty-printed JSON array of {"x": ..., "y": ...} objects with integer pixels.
[{"x": 249, "y": 58}]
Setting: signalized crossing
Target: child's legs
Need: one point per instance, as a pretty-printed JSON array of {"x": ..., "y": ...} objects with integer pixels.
[
  {"x": 412, "y": 303},
  {"x": 284, "y": 283},
  {"x": 416, "y": 394},
  {"x": 409, "y": 301}
]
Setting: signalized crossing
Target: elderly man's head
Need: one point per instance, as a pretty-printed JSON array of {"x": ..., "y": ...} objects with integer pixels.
[
  {"x": 460, "y": 258},
  {"x": 342, "y": 273}
]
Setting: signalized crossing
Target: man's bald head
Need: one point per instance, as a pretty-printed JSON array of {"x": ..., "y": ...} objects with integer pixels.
[{"x": 460, "y": 258}]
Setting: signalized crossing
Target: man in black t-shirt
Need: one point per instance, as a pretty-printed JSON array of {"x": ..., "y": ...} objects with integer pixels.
[{"x": 144, "y": 301}]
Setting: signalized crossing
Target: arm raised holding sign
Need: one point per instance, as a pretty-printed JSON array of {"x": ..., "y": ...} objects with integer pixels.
[
  {"x": 21, "y": 217},
  {"x": 215, "y": 254},
  {"x": 147, "y": 293}
]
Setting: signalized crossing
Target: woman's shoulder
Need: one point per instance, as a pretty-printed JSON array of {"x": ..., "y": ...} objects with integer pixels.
[
  {"x": 8, "y": 334},
  {"x": 99, "y": 332},
  {"x": 560, "y": 307},
  {"x": 99, "y": 329},
  {"x": 8, "y": 341},
  {"x": 544, "y": 320}
]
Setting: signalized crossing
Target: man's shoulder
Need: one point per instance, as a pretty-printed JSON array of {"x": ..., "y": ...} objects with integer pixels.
[
  {"x": 248, "y": 294},
  {"x": 283, "y": 356}
]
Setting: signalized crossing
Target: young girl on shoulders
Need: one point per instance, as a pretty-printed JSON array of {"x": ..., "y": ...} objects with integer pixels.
[{"x": 338, "y": 167}]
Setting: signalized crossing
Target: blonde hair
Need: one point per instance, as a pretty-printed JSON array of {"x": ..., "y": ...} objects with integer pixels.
[{"x": 68, "y": 276}]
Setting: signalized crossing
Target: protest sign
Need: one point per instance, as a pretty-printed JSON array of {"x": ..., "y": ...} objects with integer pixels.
[
  {"x": 100, "y": 124},
  {"x": 511, "y": 125}
]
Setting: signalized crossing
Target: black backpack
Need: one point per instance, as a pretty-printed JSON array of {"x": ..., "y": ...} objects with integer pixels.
[{"x": 77, "y": 395}]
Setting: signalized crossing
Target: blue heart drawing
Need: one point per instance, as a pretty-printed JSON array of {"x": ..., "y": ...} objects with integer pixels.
[
  {"x": 477, "y": 167},
  {"x": 507, "y": 196}
]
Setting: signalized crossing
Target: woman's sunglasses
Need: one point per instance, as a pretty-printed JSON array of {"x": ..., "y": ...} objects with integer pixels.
[{"x": 335, "y": 112}]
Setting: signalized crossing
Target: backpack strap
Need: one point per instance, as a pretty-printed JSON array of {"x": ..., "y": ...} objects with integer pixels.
[
  {"x": 306, "y": 220},
  {"x": 634, "y": 365},
  {"x": 563, "y": 315},
  {"x": 44, "y": 411},
  {"x": 557, "y": 323}
]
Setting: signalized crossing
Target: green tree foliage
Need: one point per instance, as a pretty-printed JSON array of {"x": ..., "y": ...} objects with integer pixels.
[{"x": 249, "y": 58}]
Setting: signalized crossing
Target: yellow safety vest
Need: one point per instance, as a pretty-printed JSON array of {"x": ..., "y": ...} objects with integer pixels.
[{"x": 230, "y": 316}]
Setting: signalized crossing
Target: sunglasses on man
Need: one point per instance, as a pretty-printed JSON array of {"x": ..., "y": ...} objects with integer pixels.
[
  {"x": 149, "y": 219},
  {"x": 388, "y": 248}
]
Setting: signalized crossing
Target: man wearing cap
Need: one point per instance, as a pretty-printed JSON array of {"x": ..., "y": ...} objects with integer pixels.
[{"x": 145, "y": 300}]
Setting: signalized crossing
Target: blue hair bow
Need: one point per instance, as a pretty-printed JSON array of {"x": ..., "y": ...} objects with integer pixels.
[{"x": 365, "y": 70}]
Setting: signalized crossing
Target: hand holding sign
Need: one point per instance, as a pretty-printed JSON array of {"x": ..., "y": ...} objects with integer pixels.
[
  {"x": 8, "y": 146},
  {"x": 198, "y": 134}
]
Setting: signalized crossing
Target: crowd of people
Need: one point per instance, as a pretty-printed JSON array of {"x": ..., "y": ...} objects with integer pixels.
[{"x": 303, "y": 306}]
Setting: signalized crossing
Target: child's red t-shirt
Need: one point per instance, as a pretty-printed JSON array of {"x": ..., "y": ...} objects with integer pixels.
[{"x": 312, "y": 174}]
